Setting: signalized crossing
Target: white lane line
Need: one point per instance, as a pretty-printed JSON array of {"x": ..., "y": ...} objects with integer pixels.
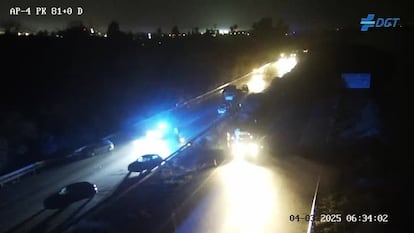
[{"x": 312, "y": 212}]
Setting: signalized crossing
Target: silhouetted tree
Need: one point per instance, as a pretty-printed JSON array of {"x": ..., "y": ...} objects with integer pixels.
[
  {"x": 75, "y": 29},
  {"x": 113, "y": 29},
  {"x": 195, "y": 31},
  {"x": 281, "y": 27},
  {"x": 159, "y": 31},
  {"x": 175, "y": 30},
  {"x": 10, "y": 26},
  {"x": 129, "y": 35},
  {"x": 233, "y": 28},
  {"x": 42, "y": 33},
  {"x": 264, "y": 27}
]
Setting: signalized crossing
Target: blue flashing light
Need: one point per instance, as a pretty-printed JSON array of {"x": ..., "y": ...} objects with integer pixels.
[
  {"x": 162, "y": 125},
  {"x": 154, "y": 134}
]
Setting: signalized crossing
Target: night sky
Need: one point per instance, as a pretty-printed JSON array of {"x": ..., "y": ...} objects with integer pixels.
[{"x": 147, "y": 15}]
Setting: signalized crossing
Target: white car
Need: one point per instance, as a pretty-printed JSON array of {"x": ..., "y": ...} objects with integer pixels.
[{"x": 243, "y": 145}]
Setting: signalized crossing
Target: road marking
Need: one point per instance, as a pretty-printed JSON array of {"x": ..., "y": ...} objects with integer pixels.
[{"x": 312, "y": 212}]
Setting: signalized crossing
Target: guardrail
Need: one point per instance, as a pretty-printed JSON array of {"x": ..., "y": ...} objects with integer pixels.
[{"x": 20, "y": 172}]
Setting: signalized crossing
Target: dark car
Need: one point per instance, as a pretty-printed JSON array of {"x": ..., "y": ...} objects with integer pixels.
[
  {"x": 245, "y": 88},
  {"x": 100, "y": 147},
  {"x": 70, "y": 194},
  {"x": 145, "y": 163}
]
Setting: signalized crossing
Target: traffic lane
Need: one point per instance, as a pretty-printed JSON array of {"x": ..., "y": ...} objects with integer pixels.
[
  {"x": 186, "y": 115},
  {"x": 210, "y": 115},
  {"x": 208, "y": 106},
  {"x": 212, "y": 101},
  {"x": 245, "y": 197}
]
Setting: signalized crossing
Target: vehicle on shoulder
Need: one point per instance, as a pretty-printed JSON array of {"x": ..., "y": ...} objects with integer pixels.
[
  {"x": 230, "y": 93},
  {"x": 245, "y": 88},
  {"x": 145, "y": 163},
  {"x": 101, "y": 147}
]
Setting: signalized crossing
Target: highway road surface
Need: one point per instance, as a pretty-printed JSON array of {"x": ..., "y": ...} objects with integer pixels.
[
  {"x": 236, "y": 196},
  {"x": 245, "y": 197},
  {"x": 21, "y": 204}
]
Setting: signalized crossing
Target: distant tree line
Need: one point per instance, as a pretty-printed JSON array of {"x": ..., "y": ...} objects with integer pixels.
[{"x": 262, "y": 28}]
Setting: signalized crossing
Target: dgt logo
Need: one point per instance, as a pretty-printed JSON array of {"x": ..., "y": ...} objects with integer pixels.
[{"x": 369, "y": 22}]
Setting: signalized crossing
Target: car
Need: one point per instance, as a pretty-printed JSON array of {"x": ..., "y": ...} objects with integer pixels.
[
  {"x": 145, "y": 163},
  {"x": 243, "y": 144},
  {"x": 223, "y": 109},
  {"x": 230, "y": 87},
  {"x": 245, "y": 88},
  {"x": 230, "y": 93},
  {"x": 70, "y": 194},
  {"x": 100, "y": 147}
]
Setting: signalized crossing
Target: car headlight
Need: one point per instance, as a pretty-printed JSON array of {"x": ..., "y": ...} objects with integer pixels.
[{"x": 240, "y": 150}]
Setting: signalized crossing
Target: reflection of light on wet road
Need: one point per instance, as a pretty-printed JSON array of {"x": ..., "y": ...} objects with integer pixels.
[{"x": 250, "y": 197}]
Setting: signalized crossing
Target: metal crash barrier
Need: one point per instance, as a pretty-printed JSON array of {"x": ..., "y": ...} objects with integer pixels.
[{"x": 31, "y": 168}]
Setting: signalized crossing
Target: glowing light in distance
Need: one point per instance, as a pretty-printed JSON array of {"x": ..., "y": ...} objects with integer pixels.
[
  {"x": 285, "y": 65},
  {"x": 241, "y": 150},
  {"x": 162, "y": 125},
  {"x": 256, "y": 84},
  {"x": 182, "y": 141},
  {"x": 260, "y": 70},
  {"x": 154, "y": 134},
  {"x": 223, "y": 31}
]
